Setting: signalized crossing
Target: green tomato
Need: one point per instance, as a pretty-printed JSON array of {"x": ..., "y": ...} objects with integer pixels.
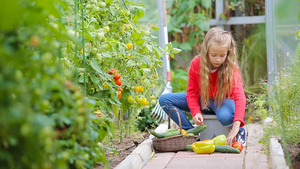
[
  {"x": 99, "y": 57},
  {"x": 146, "y": 107},
  {"x": 78, "y": 95},
  {"x": 80, "y": 119},
  {"x": 65, "y": 155},
  {"x": 152, "y": 97},
  {"x": 147, "y": 33},
  {"x": 153, "y": 102},
  {"x": 44, "y": 104},
  {"x": 102, "y": 4},
  {"x": 99, "y": 145},
  {"x": 79, "y": 163},
  {"x": 94, "y": 50},
  {"x": 97, "y": 9},
  {"x": 54, "y": 25},
  {"x": 45, "y": 132},
  {"x": 89, "y": 6},
  {"x": 55, "y": 44},
  {"x": 71, "y": 32},
  {"x": 19, "y": 75},
  {"x": 130, "y": 99},
  {"x": 106, "y": 28},
  {"x": 46, "y": 58},
  {"x": 138, "y": 99},
  {"x": 100, "y": 36},
  {"x": 86, "y": 157},
  {"x": 25, "y": 129}
]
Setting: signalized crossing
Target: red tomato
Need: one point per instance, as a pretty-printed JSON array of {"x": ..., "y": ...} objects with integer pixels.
[
  {"x": 237, "y": 145},
  {"x": 111, "y": 72},
  {"x": 117, "y": 76},
  {"x": 119, "y": 94},
  {"x": 118, "y": 82}
]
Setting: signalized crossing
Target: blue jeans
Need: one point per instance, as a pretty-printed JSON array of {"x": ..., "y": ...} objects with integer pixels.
[{"x": 225, "y": 113}]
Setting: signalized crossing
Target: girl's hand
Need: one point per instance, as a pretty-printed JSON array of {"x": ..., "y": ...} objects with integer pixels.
[
  {"x": 232, "y": 134},
  {"x": 198, "y": 119}
]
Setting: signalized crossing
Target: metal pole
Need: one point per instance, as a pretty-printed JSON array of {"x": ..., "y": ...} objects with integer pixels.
[
  {"x": 271, "y": 41},
  {"x": 163, "y": 39},
  {"x": 219, "y": 11}
]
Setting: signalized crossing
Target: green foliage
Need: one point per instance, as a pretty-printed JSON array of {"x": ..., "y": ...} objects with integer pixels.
[
  {"x": 284, "y": 104},
  {"x": 257, "y": 105},
  {"x": 114, "y": 39},
  {"x": 59, "y": 100},
  {"x": 44, "y": 118},
  {"x": 146, "y": 121},
  {"x": 179, "y": 80},
  {"x": 193, "y": 14},
  {"x": 253, "y": 59}
]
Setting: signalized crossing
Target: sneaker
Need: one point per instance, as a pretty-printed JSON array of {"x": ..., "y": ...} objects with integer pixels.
[
  {"x": 198, "y": 137},
  {"x": 241, "y": 136}
]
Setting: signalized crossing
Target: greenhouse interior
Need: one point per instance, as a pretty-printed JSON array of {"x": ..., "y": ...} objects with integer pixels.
[{"x": 102, "y": 84}]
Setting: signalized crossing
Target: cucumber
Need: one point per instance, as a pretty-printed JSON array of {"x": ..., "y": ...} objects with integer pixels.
[
  {"x": 226, "y": 149},
  {"x": 164, "y": 135},
  {"x": 197, "y": 130},
  {"x": 189, "y": 147},
  {"x": 170, "y": 130}
]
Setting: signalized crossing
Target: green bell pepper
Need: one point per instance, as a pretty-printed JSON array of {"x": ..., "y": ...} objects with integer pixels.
[{"x": 220, "y": 139}]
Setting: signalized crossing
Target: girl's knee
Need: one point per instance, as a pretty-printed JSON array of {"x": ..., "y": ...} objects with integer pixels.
[
  {"x": 226, "y": 121},
  {"x": 163, "y": 99}
]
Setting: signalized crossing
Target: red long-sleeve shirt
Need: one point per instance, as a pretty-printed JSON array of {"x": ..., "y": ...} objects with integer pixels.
[{"x": 193, "y": 91}]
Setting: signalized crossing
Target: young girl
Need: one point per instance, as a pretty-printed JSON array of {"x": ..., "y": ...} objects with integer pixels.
[{"x": 214, "y": 84}]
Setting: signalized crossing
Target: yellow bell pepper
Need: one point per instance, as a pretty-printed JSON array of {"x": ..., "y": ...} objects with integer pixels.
[
  {"x": 204, "y": 147},
  {"x": 220, "y": 139},
  {"x": 184, "y": 132}
]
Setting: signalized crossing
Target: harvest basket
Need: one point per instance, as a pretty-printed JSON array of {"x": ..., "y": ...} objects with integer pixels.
[{"x": 173, "y": 143}]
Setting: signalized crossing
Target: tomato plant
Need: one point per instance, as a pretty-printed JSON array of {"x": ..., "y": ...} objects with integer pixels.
[{"x": 67, "y": 71}]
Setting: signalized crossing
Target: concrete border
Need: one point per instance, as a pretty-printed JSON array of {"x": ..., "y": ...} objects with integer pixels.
[
  {"x": 142, "y": 153},
  {"x": 276, "y": 155}
]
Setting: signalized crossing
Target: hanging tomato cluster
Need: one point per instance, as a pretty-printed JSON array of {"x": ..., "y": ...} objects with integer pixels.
[{"x": 118, "y": 82}]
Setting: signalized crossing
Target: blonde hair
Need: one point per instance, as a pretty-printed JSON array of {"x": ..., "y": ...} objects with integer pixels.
[{"x": 226, "y": 70}]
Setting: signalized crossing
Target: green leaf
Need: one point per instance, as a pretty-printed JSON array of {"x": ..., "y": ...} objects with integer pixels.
[
  {"x": 206, "y": 3},
  {"x": 81, "y": 79},
  {"x": 93, "y": 135},
  {"x": 191, "y": 4},
  {"x": 139, "y": 14},
  {"x": 94, "y": 64},
  {"x": 125, "y": 104},
  {"x": 176, "y": 50},
  {"x": 204, "y": 25},
  {"x": 177, "y": 30},
  {"x": 175, "y": 44},
  {"x": 10, "y": 14},
  {"x": 108, "y": 1},
  {"x": 130, "y": 63},
  {"x": 94, "y": 79},
  {"x": 185, "y": 46},
  {"x": 155, "y": 28},
  {"x": 136, "y": 36},
  {"x": 172, "y": 55},
  {"x": 170, "y": 3}
]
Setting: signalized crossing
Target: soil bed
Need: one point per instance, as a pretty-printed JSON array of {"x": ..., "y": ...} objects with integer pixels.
[
  {"x": 123, "y": 150},
  {"x": 295, "y": 155}
]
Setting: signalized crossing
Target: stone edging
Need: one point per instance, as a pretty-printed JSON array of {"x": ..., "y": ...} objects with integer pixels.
[
  {"x": 276, "y": 155},
  {"x": 142, "y": 153}
]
